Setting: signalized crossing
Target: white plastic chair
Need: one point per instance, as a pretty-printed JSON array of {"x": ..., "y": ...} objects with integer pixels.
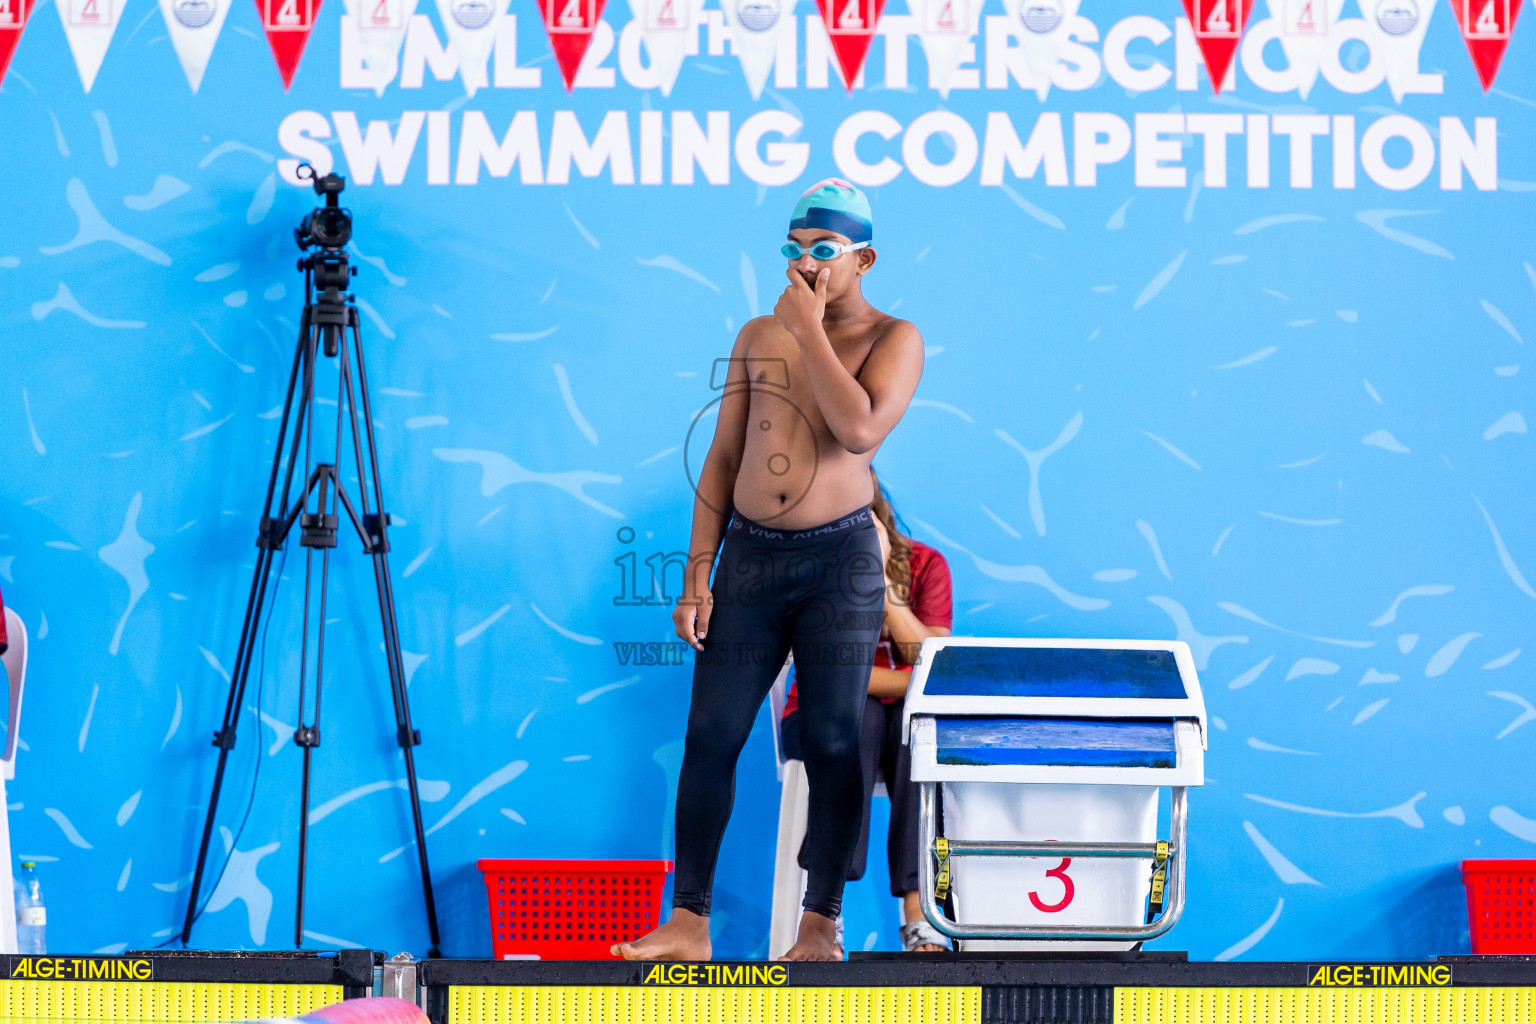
[
  {"x": 15, "y": 662},
  {"x": 794, "y": 801}
]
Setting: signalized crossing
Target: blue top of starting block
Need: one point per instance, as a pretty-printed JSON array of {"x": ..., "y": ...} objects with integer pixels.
[
  {"x": 1079, "y": 742},
  {"x": 1054, "y": 672}
]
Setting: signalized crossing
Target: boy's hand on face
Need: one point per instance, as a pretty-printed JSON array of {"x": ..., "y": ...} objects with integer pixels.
[{"x": 799, "y": 309}]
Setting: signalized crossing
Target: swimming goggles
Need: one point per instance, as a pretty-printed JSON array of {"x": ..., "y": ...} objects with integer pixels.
[{"x": 823, "y": 250}]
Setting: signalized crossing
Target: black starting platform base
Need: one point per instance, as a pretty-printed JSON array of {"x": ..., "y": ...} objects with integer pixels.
[
  {"x": 1137, "y": 988},
  {"x": 983, "y": 988}
]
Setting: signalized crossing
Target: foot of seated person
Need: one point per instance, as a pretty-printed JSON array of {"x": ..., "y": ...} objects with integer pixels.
[
  {"x": 816, "y": 940},
  {"x": 684, "y": 936},
  {"x": 921, "y": 937},
  {"x": 917, "y": 935}
]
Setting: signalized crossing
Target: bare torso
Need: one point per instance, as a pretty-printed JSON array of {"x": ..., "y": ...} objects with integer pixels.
[{"x": 794, "y": 473}]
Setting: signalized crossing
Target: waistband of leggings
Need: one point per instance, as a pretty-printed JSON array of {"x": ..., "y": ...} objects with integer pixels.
[{"x": 757, "y": 531}]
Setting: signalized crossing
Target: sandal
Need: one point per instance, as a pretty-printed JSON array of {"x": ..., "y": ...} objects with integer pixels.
[{"x": 921, "y": 933}]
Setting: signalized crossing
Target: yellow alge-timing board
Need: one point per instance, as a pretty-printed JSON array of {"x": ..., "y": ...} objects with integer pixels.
[
  {"x": 162, "y": 989},
  {"x": 1154, "y": 990}
]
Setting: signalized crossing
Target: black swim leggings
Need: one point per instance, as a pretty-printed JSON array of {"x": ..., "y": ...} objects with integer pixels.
[{"x": 820, "y": 594}]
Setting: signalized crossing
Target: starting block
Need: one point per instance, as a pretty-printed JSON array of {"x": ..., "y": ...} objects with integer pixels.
[{"x": 1040, "y": 765}]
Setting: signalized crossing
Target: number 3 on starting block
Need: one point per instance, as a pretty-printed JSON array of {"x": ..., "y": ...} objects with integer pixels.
[{"x": 1068, "y": 890}]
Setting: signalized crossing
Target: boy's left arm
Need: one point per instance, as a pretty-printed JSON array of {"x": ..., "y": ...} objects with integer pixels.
[{"x": 860, "y": 411}]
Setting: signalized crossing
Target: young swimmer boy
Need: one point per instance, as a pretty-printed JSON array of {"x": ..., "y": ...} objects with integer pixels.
[{"x": 811, "y": 393}]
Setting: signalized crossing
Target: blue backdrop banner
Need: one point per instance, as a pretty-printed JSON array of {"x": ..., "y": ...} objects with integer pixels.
[{"x": 1243, "y": 369}]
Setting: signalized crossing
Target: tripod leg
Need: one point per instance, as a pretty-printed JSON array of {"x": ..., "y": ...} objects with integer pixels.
[
  {"x": 378, "y": 547},
  {"x": 298, "y": 907},
  {"x": 267, "y": 541},
  {"x": 306, "y": 737},
  {"x": 224, "y": 739},
  {"x": 319, "y": 532}
]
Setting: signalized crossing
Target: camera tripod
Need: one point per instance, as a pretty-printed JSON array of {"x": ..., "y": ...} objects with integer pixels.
[{"x": 328, "y": 329}]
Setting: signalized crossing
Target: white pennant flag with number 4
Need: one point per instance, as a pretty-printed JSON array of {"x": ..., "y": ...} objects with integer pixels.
[
  {"x": 88, "y": 28},
  {"x": 1304, "y": 28},
  {"x": 194, "y": 26},
  {"x": 381, "y": 28},
  {"x": 757, "y": 26},
  {"x": 471, "y": 26},
  {"x": 1042, "y": 27},
  {"x": 667, "y": 27},
  {"x": 946, "y": 28},
  {"x": 1397, "y": 30}
]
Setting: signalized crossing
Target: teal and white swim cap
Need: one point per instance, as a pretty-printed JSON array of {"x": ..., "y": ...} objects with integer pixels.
[{"x": 834, "y": 205}]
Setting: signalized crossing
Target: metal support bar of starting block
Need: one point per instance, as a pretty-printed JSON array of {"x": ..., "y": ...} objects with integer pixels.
[{"x": 1173, "y": 906}]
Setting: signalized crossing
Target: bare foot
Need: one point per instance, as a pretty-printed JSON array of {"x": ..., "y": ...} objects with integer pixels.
[
  {"x": 685, "y": 936},
  {"x": 817, "y": 939}
]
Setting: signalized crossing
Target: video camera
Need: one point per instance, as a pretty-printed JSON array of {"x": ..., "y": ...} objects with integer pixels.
[
  {"x": 327, "y": 270},
  {"x": 330, "y": 226}
]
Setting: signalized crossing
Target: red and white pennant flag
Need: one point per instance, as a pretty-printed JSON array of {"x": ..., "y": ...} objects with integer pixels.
[
  {"x": 1218, "y": 27},
  {"x": 570, "y": 24},
  {"x": 13, "y": 19},
  {"x": 1485, "y": 26},
  {"x": 88, "y": 28},
  {"x": 1304, "y": 28},
  {"x": 667, "y": 27},
  {"x": 288, "y": 24},
  {"x": 381, "y": 28},
  {"x": 850, "y": 26},
  {"x": 946, "y": 28}
]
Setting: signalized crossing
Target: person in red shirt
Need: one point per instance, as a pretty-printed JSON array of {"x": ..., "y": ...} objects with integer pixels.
[
  {"x": 4, "y": 641},
  {"x": 917, "y": 605}
]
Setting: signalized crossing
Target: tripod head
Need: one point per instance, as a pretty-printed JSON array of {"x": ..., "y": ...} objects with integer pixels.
[{"x": 328, "y": 229}]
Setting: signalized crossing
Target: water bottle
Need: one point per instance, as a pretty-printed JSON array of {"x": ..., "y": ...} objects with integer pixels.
[{"x": 31, "y": 916}]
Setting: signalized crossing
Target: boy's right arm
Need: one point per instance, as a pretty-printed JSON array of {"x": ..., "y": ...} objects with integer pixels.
[{"x": 712, "y": 498}]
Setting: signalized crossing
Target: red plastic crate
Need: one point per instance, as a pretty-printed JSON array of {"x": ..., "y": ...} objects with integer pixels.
[
  {"x": 571, "y": 909},
  {"x": 1501, "y": 905}
]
